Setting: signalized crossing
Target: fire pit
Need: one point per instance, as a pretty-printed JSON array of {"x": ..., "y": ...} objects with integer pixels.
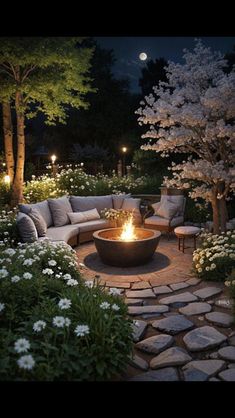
[{"x": 127, "y": 246}]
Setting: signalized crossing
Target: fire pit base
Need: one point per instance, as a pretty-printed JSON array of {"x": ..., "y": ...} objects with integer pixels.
[{"x": 116, "y": 252}]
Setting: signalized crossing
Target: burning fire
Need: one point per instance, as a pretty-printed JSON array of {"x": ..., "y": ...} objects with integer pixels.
[{"x": 128, "y": 231}]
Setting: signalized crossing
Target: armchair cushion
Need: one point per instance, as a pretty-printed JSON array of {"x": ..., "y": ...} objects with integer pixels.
[
  {"x": 167, "y": 209},
  {"x": 179, "y": 200},
  {"x": 157, "y": 220}
]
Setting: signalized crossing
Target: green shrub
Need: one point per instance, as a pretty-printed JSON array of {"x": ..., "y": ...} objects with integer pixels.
[
  {"x": 70, "y": 329},
  {"x": 41, "y": 188},
  {"x": 216, "y": 256},
  {"x": 198, "y": 211}
]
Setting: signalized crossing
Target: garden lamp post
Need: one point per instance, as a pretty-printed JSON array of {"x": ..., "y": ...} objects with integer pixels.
[
  {"x": 124, "y": 150},
  {"x": 53, "y": 158}
]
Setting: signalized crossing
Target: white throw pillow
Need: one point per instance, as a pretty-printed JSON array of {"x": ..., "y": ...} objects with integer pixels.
[
  {"x": 167, "y": 209},
  {"x": 155, "y": 207},
  {"x": 88, "y": 215}
]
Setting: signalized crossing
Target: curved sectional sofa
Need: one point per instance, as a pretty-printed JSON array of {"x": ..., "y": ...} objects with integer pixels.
[{"x": 51, "y": 218}]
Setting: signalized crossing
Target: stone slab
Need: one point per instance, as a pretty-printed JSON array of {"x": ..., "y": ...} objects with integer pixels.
[
  {"x": 224, "y": 303},
  {"x": 148, "y": 309},
  {"x": 141, "y": 285},
  {"x": 155, "y": 344},
  {"x": 123, "y": 285},
  {"x": 179, "y": 286},
  {"x": 173, "y": 324},
  {"x": 203, "y": 338},
  {"x": 139, "y": 328},
  {"x": 159, "y": 290},
  {"x": 195, "y": 308},
  {"x": 133, "y": 302},
  {"x": 219, "y": 318},
  {"x": 193, "y": 281},
  {"x": 138, "y": 294},
  {"x": 207, "y": 292},
  {"x": 174, "y": 356},
  {"x": 139, "y": 363},
  {"x": 228, "y": 375},
  {"x": 184, "y": 297},
  {"x": 208, "y": 367},
  {"x": 227, "y": 353},
  {"x": 167, "y": 374}
]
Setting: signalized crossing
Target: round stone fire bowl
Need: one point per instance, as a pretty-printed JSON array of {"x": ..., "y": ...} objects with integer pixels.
[{"x": 116, "y": 252}]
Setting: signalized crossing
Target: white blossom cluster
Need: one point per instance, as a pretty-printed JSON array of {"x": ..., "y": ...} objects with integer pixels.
[{"x": 193, "y": 113}]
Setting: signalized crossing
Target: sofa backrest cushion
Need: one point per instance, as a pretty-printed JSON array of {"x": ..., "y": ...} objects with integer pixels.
[
  {"x": 39, "y": 222},
  {"x": 118, "y": 200},
  {"x": 83, "y": 203},
  {"x": 42, "y": 207},
  {"x": 59, "y": 209},
  {"x": 85, "y": 216},
  {"x": 131, "y": 204},
  {"x": 26, "y": 228}
]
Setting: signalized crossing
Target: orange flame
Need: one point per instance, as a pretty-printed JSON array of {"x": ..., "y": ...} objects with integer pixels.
[{"x": 128, "y": 231}]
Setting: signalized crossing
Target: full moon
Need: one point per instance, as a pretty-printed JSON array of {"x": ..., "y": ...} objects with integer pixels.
[{"x": 143, "y": 56}]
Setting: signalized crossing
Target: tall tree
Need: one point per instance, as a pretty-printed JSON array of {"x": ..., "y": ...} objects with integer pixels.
[
  {"x": 110, "y": 121},
  {"x": 194, "y": 113},
  {"x": 8, "y": 139},
  {"x": 45, "y": 75},
  {"x": 152, "y": 73}
]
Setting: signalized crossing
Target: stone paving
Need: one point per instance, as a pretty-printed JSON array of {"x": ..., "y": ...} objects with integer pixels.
[{"x": 183, "y": 327}]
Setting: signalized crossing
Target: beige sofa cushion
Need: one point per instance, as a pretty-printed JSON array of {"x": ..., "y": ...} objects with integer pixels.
[
  {"x": 82, "y": 203},
  {"x": 42, "y": 207},
  {"x": 62, "y": 233},
  {"x": 39, "y": 222},
  {"x": 93, "y": 225},
  {"x": 88, "y": 215},
  {"x": 118, "y": 200},
  {"x": 59, "y": 210}
]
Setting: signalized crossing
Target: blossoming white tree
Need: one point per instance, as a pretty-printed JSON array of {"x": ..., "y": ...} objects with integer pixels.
[{"x": 193, "y": 113}]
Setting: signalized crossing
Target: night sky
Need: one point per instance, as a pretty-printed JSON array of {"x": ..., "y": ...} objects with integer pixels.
[{"x": 127, "y": 50}]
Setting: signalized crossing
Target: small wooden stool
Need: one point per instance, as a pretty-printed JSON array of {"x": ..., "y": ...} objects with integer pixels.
[{"x": 183, "y": 232}]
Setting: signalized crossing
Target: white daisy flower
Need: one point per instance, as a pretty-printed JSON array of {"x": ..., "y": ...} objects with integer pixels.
[
  {"x": 58, "y": 321},
  {"x": 48, "y": 271},
  {"x": 72, "y": 282},
  {"x": 26, "y": 362},
  {"x": 114, "y": 291},
  {"x": 15, "y": 279},
  {"x": 52, "y": 263},
  {"x": 104, "y": 305},
  {"x": 67, "y": 322},
  {"x": 64, "y": 303},
  {"x": 115, "y": 307},
  {"x": 67, "y": 276},
  {"x": 89, "y": 283},
  {"x": 39, "y": 326},
  {"x": 22, "y": 345},
  {"x": 27, "y": 276},
  {"x": 82, "y": 330},
  {"x": 3, "y": 273},
  {"x": 2, "y": 306}
]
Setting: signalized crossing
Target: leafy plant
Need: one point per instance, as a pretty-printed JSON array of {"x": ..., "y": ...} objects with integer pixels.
[{"x": 54, "y": 325}]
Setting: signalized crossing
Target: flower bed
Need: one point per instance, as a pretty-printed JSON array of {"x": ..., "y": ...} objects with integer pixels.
[
  {"x": 216, "y": 256},
  {"x": 8, "y": 228},
  {"x": 77, "y": 182},
  {"x": 53, "y": 325}
]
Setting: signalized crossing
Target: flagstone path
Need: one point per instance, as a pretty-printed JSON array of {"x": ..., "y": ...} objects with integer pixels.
[{"x": 183, "y": 327}]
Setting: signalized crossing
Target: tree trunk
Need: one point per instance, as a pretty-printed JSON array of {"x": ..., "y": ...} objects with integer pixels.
[
  {"x": 223, "y": 214},
  {"x": 216, "y": 220},
  {"x": 17, "y": 191},
  {"x": 8, "y": 139}
]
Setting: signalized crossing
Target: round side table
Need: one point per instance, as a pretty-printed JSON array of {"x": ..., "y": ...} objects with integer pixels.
[{"x": 183, "y": 232}]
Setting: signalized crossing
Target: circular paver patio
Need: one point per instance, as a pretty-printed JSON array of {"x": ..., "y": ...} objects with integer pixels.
[{"x": 169, "y": 265}]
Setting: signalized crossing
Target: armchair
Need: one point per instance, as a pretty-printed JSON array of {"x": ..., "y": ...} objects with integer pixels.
[{"x": 153, "y": 221}]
